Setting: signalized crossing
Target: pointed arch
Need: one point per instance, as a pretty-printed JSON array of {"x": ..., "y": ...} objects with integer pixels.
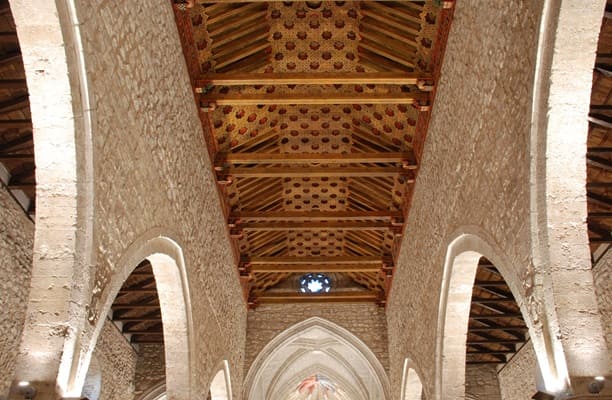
[
  {"x": 59, "y": 98},
  {"x": 558, "y": 200},
  {"x": 93, "y": 381},
  {"x": 166, "y": 258},
  {"x": 221, "y": 385},
  {"x": 283, "y": 361},
  {"x": 467, "y": 246},
  {"x": 412, "y": 386}
]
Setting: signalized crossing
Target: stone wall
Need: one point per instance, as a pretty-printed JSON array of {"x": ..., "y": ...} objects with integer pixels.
[
  {"x": 150, "y": 367},
  {"x": 152, "y": 169},
  {"x": 481, "y": 382},
  {"x": 474, "y": 171},
  {"x": 117, "y": 362},
  {"x": 602, "y": 275},
  {"x": 517, "y": 380},
  {"x": 16, "y": 244},
  {"x": 366, "y": 321}
]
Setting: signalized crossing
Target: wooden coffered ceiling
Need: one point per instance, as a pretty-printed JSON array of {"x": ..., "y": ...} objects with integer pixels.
[
  {"x": 17, "y": 169},
  {"x": 315, "y": 114},
  {"x": 599, "y": 150}
]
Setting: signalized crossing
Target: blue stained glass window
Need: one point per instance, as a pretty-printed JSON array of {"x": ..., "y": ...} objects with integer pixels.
[{"x": 315, "y": 283}]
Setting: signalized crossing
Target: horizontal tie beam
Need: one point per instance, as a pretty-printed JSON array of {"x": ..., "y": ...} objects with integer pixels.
[{"x": 302, "y": 78}]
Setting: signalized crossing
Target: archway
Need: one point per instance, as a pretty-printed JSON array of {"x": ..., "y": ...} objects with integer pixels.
[
  {"x": 322, "y": 353},
  {"x": 59, "y": 102},
  {"x": 559, "y": 240},
  {"x": 221, "y": 386},
  {"x": 461, "y": 265},
  {"x": 93, "y": 381},
  {"x": 412, "y": 388},
  {"x": 168, "y": 265}
]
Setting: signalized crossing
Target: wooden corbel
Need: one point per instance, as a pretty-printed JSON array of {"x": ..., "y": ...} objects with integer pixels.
[
  {"x": 183, "y": 5},
  {"x": 425, "y": 85}
]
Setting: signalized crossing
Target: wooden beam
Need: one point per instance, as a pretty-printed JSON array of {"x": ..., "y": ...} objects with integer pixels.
[
  {"x": 21, "y": 185},
  {"x": 315, "y": 260},
  {"x": 10, "y": 58},
  {"x": 520, "y": 328},
  {"x": 316, "y": 215},
  {"x": 489, "y": 283},
  {"x": 310, "y": 225},
  {"x": 312, "y": 98},
  {"x": 479, "y": 300},
  {"x": 23, "y": 139},
  {"x": 334, "y": 297},
  {"x": 8, "y": 37},
  {"x": 600, "y": 215},
  {"x": 486, "y": 362},
  {"x": 495, "y": 341},
  {"x": 12, "y": 83},
  {"x": 15, "y": 103},
  {"x": 137, "y": 319},
  {"x": 501, "y": 352},
  {"x": 599, "y": 199},
  {"x": 5, "y": 7},
  {"x": 496, "y": 316},
  {"x": 307, "y": 78},
  {"x": 6, "y": 157},
  {"x": 295, "y": 268},
  {"x": 600, "y": 120},
  {"x": 407, "y": 158},
  {"x": 15, "y": 123},
  {"x": 599, "y": 149},
  {"x": 599, "y": 162},
  {"x": 144, "y": 332},
  {"x": 278, "y": 1},
  {"x": 134, "y": 306},
  {"x": 138, "y": 290},
  {"x": 312, "y": 172}
]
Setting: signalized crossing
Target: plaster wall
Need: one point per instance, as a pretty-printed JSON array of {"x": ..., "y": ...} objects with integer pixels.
[
  {"x": 481, "y": 382},
  {"x": 474, "y": 172},
  {"x": 117, "y": 361},
  {"x": 602, "y": 274},
  {"x": 366, "y": 321},
  {"x": 152, "y": 170},
  {"x": 517, "y": 379},
  {"x": 150, "y": 367},
  {"x": 16, "y": 245}
]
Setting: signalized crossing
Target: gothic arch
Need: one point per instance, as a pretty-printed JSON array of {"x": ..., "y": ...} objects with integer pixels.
[
  {"x": 468, "y": 245},
  {"x": 157, "y": 392},
  {"x": 166, "y": 258},
  {"x": 559, "y": 240},
  {"x": 59, "y": 102},
  {"x": 221, "y": 385},
  {"x": 288, "y": 356},
  {"x": 93, "y": 381},
  {"x": 412, "y": 386}
]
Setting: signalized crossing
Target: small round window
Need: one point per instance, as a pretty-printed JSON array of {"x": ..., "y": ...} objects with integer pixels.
[{"x": 315, "y": 283}]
